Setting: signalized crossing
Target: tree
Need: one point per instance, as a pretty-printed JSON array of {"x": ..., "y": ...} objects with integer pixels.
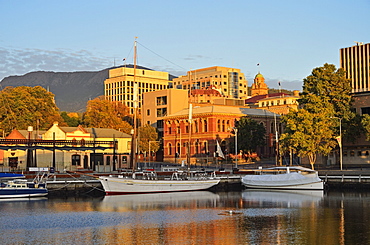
[
  {"x": 71, "y": 119},
  {"x": 325, "y": 99},
  {"x": 148, "y": 134},
  {"x": 307, "y": 134},
  {"x": 102, "y": 113},
  {"x": 251, "y": 134},
  {"x": 23, "y": 106}
]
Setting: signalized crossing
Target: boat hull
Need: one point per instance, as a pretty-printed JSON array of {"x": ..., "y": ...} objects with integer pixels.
[
  {"x": 116, "y": 186},
  {"x": 289, "y": 180},
  {"x": 308, "y": 186},
  {"x": 22, "y": 192}
]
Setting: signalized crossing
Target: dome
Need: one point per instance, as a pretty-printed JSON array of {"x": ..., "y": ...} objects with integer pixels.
[{"x": 259, "y": 75}]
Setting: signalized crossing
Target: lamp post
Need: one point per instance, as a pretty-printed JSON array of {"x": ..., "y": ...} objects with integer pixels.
[
  {"x": 236, "y": 145},
  {"x": 340, "y": 143},
  {"x": 29, "y": 150}
]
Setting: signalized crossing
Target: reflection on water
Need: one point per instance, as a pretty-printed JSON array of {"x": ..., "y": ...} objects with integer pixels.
[{"x": 262, "y": 217}]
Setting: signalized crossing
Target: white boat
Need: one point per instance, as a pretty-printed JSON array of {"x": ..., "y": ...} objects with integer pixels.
[
  {"x": 293, "y": 178},
  {"x": 149, "y": 183},
  {"x": 11, "y": 186}
]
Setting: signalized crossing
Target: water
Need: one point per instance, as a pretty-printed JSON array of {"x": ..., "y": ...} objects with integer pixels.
[{"x": 257, "y": 217}]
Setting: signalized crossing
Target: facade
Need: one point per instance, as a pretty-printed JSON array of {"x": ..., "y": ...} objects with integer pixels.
[
  {"x": 355, "y": 61},
  {"x": 75, "y": 154},
  {"x": 209, "y": 125},
  {"x": 159, "y": 104},
  {"x": 279, "y": 103},
  {"x": 127, "y": 86},
  {"x": 230, "y": 82}
]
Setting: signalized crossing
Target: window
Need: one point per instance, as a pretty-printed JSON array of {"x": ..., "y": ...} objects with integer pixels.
[
  {"x": 76, "y": 160},
  {"x": 162, "y": 100},
  {"x": 161, "y": 112},
  {"x": 108, "y": 160},
  {"x": 169, "y": 149},
  {"x": 148, "y": 112},
  {"x": 365, "y": 110}
]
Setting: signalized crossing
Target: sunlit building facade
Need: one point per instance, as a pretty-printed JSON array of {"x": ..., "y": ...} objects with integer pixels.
[
  {"x": 230, "y": 82},
  {"x": 127, "y": 86}
]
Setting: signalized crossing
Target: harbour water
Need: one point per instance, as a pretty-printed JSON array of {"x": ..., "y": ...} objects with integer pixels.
[{"x": 246, "y": 217}]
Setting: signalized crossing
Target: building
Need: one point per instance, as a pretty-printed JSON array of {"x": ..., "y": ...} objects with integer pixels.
[
  {"x": 259, "y": 86},
  {"x": 279, "y": 103},
  {"x": 209, "y": 125},
  {"x": 127, "y": 86},
  {"x": 230, "y": 82},
  {"x": 67, "y": 148},
  {"x": 355, "y": 61},
  {"x": 159, "y": 104}
]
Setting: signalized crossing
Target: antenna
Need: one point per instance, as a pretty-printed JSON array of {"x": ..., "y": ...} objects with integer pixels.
[{"x": 358, "y": 43}]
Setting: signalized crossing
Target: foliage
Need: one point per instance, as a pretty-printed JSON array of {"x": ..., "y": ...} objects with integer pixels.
[
  {"x": 307, "y": 134},
  {"x": 148, "y": 133},
  {"x": 102, "y": 113},
  {"x": 366, "y": 125},
  {"x": 251, "y": 134},
  {"x": 325, "y": 103},
  {"x": 22, "y": 106},
  {"x": 71, "y": 119}
]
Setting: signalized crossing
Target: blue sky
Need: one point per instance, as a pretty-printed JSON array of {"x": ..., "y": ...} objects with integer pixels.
[{"x": 287, "y": 38}]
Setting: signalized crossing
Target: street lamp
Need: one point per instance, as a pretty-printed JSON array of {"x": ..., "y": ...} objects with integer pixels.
[{"x": 340, "y": 143}]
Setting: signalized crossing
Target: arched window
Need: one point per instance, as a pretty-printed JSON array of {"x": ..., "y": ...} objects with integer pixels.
[
  {"x": 218, "y": 125},
  {"x": 223, "y": 126},
  {"x": 201, "y": 126},
  {"x": 196, "y": 147},
  {"x": 169, "y": 149},
  {"x": 205, "y": 126},
  {"x": 195, "y": 127},
  {"x": 179, "y": 148},
  {"x": 76, "y": 160}
]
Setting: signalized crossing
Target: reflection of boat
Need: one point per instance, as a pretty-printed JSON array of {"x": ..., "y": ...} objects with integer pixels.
[
  {"x": 289, "y": 197},
  {"x": 284, "y": 178},
  {"x": 153, "y": 200},
  {"x": 12, "y": 186},
  {"x": 180, "y": 181}
]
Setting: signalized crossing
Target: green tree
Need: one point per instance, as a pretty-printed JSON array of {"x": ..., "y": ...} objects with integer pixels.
[
  {"x": 102, "y": 113},
  {"x": 325, "y": 101},
  {"x": 251, "y": 134},
  {"x": 366, "y": 125},
  {"x": 72, "y": 121},
  {"x": 23, "y": 106},
  {"x": 148, "y": 134}
]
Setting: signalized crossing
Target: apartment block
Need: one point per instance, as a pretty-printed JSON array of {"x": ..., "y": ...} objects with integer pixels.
[
  {"x": 127, "y": 86},
  {"x": 230, "y": 82}
]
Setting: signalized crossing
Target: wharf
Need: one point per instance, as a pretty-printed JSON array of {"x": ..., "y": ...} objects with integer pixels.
[{"x": 76, "y": 184}]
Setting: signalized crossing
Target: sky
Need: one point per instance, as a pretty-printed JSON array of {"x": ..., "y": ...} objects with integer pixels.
[{"x": 287, "y": 38}]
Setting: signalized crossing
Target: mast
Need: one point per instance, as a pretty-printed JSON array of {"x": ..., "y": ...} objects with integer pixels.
[{"x": 133, "y": 158}]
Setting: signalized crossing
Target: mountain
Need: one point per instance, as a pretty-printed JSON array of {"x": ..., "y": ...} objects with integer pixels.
[{"x": 72, "y": 90}]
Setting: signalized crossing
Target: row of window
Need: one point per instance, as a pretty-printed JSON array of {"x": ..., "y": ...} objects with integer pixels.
[
  {"x": 352, "y": 153},
  {"x": 274, "y": 102},
  {"x": 124, "y": 84},
  {"x": 198, "y": 147}
]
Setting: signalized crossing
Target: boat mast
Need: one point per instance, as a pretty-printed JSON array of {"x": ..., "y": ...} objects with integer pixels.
[{"x": 135, "y": 100}]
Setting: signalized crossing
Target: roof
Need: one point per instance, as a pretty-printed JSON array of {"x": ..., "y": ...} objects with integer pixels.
[
  {"x": 224, "y": 110},
  {"x": 257, "y": 98},
  {"x": 259, "y": 75},
  {"x": 205, "y": 91},
  {"x": 106, "y": 133}
]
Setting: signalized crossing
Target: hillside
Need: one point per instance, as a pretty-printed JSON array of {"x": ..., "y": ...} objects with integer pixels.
[{"x": 72, "y": 89}]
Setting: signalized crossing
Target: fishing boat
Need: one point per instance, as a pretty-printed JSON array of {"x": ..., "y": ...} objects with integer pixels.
[
  {"x": 149, "y": 183},
  {"x": 290, "y": 177},
  {"x": 15, "y": 186}
]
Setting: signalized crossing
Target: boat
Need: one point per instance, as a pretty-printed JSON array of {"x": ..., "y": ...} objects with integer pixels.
[
  {"x": 15, "y": 186},
  {"x": 289, "y": 177},
  {"x": 149, "y": 183}
]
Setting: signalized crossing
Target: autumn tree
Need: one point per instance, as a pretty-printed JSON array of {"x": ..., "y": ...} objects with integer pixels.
[
  {"x": 102, "y": 113},
  {"x": 23, "y": 106},
  {"x": 325, "y": 101},
  {"x": 148, "y": 135}
]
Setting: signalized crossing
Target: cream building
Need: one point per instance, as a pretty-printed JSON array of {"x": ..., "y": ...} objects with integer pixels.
[
  {"x": 230, "y": 82},
  {"x": 124, "y": 85}
]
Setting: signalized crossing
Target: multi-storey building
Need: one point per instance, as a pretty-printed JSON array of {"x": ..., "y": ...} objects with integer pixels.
[
  {"x": 230, "y": 82},
  {"x": 356, "y": 61},
  {"x": 127, "y": 86}
]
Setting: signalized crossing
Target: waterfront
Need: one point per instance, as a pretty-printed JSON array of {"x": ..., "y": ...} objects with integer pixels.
[{"x": 261, "y": 217}]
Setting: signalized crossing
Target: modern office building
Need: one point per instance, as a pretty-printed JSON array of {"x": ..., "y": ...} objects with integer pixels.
[
  {"x": 356, "y": 61},
  {"x": 127, "y": 86},
  {"x": 230, "y": 82}
]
